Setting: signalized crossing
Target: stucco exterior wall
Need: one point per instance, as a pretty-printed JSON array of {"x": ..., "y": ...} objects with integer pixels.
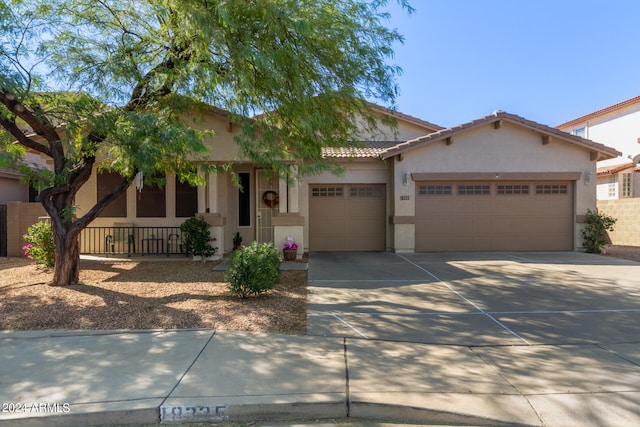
[
  {"x": 627, "y": 212},
  {"x": 509, "y": 149},
  {"x": 12, "y": 190},
  {"x": 619, "y": 129}
]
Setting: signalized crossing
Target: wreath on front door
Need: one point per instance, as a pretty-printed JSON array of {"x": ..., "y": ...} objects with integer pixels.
[{"x": 270, "y": 198}]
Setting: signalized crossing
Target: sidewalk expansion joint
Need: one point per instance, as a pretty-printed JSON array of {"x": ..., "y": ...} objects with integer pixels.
[
  {"x": 346, "y": 375},
  {"x": 184, "y": 374}
]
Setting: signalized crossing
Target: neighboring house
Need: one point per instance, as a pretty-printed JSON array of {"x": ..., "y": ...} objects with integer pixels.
[
  {"x": 11, "y": 187},
  {"x": 617, "y": 126},
  {"x": 618, "y": 181},
  {"x": 497, "y": 183}
]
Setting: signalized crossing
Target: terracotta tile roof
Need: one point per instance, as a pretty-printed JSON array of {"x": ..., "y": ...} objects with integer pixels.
[
  {"x": 601, "y": 112},
  {"x": 610, "y": 170},
  {"x": 360, "y": 149},
  {"x": 608, "y": 152},
  {"x": 406, "y": 117}
]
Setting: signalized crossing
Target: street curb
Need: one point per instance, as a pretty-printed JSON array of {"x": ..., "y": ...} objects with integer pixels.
[
  {"x": 127, "y": 417},
  {"x": 366, "y": 411},
  {"x": 281, "y": 412}
]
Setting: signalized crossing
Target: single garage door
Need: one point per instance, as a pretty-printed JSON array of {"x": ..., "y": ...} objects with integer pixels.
[
  {"x": 490, "y": 216},
  {"x": 347, "y": 217}
]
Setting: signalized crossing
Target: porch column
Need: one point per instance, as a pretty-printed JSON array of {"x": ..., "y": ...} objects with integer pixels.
[
  {"x": 283, "y": 191},
  {"x": 202, "y": 196},
  {"x": 294, "y": 191},
  {"x": 212, "y": 191}
]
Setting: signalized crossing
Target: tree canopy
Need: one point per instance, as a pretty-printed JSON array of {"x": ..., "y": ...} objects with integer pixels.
[{"x": 82, "y": 80}]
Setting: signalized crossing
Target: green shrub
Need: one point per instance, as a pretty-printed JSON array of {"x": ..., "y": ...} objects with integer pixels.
[
  {"x": 253, "y": 269},
  {"x": 40, "y": 246},
  {"x": 197, "y": 237},
  {"x": 594, "y": 233}
]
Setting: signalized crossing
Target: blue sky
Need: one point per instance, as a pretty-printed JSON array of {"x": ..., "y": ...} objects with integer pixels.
[{"x": 549, "y": 61}]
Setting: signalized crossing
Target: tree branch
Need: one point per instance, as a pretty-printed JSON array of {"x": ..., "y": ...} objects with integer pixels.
[
  {"x": 24, "y": 140},
  {"x": 47, "y": 130}
]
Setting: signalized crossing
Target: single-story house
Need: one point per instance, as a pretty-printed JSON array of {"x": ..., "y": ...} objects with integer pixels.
[{"x": 497, "y": 183}]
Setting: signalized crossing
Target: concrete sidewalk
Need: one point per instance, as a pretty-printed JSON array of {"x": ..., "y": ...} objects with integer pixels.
[{"x": 80, "y": 378}]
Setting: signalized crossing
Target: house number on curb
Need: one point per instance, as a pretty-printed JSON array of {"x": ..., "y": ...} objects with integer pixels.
[{"x": 196, "y": 413}]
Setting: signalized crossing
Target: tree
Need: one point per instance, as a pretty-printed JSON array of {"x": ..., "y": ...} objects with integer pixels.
[{"x": 82, "y": 80}]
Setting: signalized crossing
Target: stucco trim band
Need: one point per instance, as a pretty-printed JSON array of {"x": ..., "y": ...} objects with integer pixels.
[{"x": 497, "y": 176}]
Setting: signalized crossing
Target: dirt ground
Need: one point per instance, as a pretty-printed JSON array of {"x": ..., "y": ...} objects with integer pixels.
[
  {"x": 146, "y": 295},
  {"x": 626, "y": 252}
]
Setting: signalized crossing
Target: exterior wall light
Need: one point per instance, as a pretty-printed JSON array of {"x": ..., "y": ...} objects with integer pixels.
[{"x": 405, "y": 179}]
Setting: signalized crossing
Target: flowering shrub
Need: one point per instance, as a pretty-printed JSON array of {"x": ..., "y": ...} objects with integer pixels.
[
  {"x": 40, "y": 246},
  {"x": 290, "y": 245}
]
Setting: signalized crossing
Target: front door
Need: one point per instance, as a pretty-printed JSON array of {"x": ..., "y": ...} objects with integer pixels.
[{"x": 266, "y": 205}]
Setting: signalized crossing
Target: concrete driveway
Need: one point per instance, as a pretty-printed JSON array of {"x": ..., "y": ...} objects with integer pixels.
[{"x": 475, "y": 299}]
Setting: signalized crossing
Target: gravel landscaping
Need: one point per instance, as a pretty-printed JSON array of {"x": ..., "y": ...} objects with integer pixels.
[{"x": 146, "y": 295}]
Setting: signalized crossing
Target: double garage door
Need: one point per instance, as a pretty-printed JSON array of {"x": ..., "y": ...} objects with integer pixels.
[
  {"x": 490, "y": 216},
  {"x": 450, "y": 216},
  {"x": 347, "y": 217}
]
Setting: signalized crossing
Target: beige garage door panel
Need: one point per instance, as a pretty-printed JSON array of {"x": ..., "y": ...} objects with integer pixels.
[
  {"x": 489, "y": 216},
  {"x": 347, "y": 217}
]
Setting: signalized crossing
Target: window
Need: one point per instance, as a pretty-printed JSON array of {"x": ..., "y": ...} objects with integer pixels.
[
  {"x": 369, "y": 192},
  {"x": 511, "y": 189},
  {"x": 581, "y": 132},
  {"x": 612, "y": 187},
  {"x": 465, "y": 190},
  {"x": 244, "y": 200},
  {"x": 33, "y": 193},
  {"x": 434, "y": 190},
  {"x": 107, "y": 181},
  {"x": 626, "y": 185},
  {"x": 186, "y": 200},
  {"x": 327, "y": 192},
  {"x": 151, "y": 201},
  {"x": 551, "y": 189}
]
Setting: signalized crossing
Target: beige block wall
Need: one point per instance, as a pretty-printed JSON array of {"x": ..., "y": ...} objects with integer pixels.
[
  {"x": 627, "y": 212},
  {"x": 20, "y": 216}
]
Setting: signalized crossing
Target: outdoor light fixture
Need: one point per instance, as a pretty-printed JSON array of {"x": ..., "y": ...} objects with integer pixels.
[
  {"x": 587, "y": 177},
  {"x": 405, "y": 179}
]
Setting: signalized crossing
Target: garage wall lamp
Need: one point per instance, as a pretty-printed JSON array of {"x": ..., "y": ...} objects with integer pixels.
[
  {"x": 405, "y": 178},
  {"x": 587, "y": 177}
]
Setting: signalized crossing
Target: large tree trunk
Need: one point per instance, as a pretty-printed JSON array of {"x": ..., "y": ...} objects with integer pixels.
[{"x": 66, "y": 270}]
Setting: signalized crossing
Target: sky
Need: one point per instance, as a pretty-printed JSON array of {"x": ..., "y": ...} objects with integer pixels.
[{"x": 546, "y": 60}]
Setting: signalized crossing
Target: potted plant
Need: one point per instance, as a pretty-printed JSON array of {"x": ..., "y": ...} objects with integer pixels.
[
  {"x": 289, "y": 249},
  {"x": 197, "y": 237},
  {"x": 237, "y": 241}
]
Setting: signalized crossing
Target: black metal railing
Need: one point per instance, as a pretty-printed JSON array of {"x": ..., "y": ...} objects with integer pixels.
[{"x": 130, "y": 240}]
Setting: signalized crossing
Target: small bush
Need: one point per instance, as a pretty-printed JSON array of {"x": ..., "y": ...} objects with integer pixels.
[
  {"x": 594, "y": 233},
  {"x": 253, "y": 269},
  {"x": 40, "y": 246},
  {"x": 197, "y": 237}
]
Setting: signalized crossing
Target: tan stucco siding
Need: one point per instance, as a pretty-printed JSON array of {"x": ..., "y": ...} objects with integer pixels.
[{"x": 509, "y": 149}]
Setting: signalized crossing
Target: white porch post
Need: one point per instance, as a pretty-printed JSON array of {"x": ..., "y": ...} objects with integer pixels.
[
  {"x": 212, "y": 189},
  {"x": 202, "y": 197}
]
